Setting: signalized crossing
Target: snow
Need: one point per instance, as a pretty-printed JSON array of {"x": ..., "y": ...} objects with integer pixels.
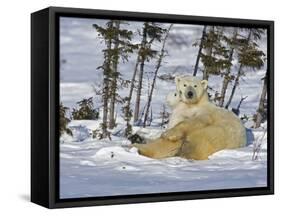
[
  {"x": 105, "y": 168},
  {"x": 92, "y": 168}
]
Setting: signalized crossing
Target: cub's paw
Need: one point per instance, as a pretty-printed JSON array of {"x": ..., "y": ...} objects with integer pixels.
[{"x": 172, "y": 135}]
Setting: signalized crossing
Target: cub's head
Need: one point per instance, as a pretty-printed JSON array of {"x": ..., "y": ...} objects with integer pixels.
[
  {"x": 173, "y": 99},
  {"x": 190, "y": 89}
]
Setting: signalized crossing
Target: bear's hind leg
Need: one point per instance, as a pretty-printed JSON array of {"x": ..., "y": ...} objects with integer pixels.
[
  {"x": 200, "y": 144},
  {"x": 159, "y": 148}
]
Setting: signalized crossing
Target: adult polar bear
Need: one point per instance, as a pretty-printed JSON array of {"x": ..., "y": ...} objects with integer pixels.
[{"x": 198, "y": 128}]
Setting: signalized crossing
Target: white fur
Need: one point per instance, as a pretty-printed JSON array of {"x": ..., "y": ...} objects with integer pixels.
[
  {"x": 173, "y": 99},
  {"x": 181, "y": 113}
]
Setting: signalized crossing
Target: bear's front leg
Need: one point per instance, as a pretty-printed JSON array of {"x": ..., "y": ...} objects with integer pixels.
[
  {"x": 185, "y": 127},
  {"x": 173, "y": 134}
]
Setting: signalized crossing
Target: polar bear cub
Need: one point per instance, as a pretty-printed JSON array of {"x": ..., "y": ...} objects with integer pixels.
[{"x": 173, "y": 100}]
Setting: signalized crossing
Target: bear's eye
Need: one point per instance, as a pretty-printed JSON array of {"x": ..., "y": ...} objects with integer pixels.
[
  {"x": 175, "y": 94},
  {"x": 195, "y": 86},
  {"x": 184, "y": 85}
]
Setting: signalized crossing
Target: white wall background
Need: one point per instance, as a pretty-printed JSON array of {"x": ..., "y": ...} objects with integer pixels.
[{"x": 15, "y": 106}]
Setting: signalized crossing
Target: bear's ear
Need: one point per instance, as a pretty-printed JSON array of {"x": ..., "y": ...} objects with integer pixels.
[
  {"x": 177, "y": 79},
  {"x": 204, "y": 84}
]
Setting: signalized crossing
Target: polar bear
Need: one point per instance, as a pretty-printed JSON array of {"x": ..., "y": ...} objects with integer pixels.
[
  {"x": 173, "y": 100},
  {"x": 177, "y": 116},
  {"x": 201, "y": 128}
]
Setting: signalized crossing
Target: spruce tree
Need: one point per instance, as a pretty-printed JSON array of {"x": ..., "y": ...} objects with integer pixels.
[
  {"x": 122, "y": 49},
  {"x": 250, "y": 56},
  {"x": 150, "y": 32},
  {"x": 215, "y": 54},
  {"x": 227, "y": 76},
  {"x": 200, "y": 44},
  {"x": 157, "y": 67},
  {"x": 118, "y": 47},
  {"x": 126, "y": 109},
  {"x": 85, "y": 110},
  {"x": 106, "y": 34},
  {"x": 261, "y": 114}
]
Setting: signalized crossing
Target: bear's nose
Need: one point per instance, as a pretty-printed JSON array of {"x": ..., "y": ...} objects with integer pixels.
[{"x": 190, "y": 94}]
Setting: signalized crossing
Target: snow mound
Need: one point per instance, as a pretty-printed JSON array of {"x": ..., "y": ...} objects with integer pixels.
[
  {"x": 80, "y": 133},
  {"x": 116, "y": 153},
  {"x": 233, "y": 153}
]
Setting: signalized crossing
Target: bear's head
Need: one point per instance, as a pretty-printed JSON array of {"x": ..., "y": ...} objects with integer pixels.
[
  {"x": 191, "y": 89},
  {"x": 173, "y": 99}
]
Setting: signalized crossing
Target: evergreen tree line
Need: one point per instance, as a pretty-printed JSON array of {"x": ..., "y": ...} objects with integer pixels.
[
  {"x": 85, "y": 111},
  {"x": 218, "y": 49},
  {"x": 120, "y": 47}
]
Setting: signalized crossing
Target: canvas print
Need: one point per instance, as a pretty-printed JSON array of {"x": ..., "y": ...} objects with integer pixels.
[{"x": 149, "y": 107}]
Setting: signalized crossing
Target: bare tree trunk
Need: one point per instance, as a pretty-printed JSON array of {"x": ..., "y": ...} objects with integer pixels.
[
  {"x": 227, "y": 78},
  {"x": 209, "y": 53},
  {"x": 237, "y": 110},
  {"x": 199, "y": 51},
  {"x": 113, "y": 86},
  {"x": 205, "y": 75},
  {"x": 105, "y": 107},
  {"x": 261, "y": 108},
  {"x": 140, "y": 78},
  {"x": 161, "y": 56},
  {"x": 127, "y": 108},
  {"x": 133, "y": 80},
  {"x": 151, "y": 116},
  {"x": 236, "y": 82},
  {"x": 105, "y": 93},
  {"x": 239, "y": 73},
  {"x": 137, "y": 105}
]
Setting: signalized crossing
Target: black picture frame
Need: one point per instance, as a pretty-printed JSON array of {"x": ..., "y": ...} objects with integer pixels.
[{"x": 45, "y": 103}]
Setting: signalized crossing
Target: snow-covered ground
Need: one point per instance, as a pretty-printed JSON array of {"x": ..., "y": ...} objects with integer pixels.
[{"x": 91, "y": 167}]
